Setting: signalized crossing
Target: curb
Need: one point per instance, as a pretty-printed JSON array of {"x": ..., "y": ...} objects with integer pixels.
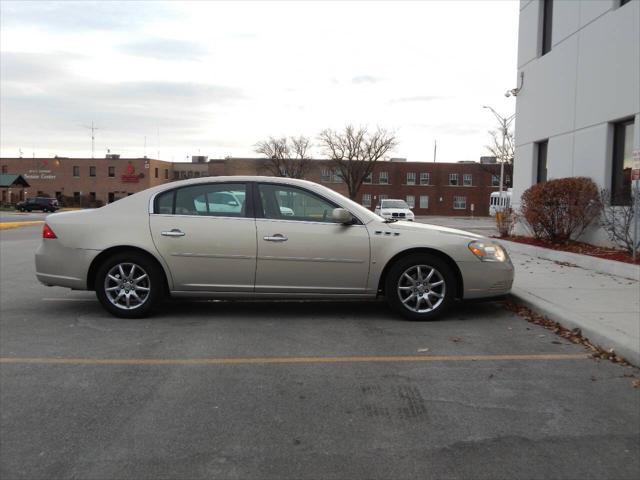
[
  {"x": 610, "y": 267},
  {"x": 623, "y": 345}
]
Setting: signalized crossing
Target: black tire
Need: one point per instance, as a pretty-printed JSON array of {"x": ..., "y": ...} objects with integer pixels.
[
  {"x": 155, "y": 282},
  {"x": 399, "y": 288}
]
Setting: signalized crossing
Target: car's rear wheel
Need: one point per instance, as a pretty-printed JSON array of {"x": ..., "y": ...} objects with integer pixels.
[
  {"x": 129, "y": 285},
  {"x": 420, "y": 287}
]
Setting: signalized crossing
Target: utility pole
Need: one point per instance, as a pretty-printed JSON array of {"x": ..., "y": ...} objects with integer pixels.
[
  {"x": 435, "y": 146},
  {"x": 504, "y": 122}
]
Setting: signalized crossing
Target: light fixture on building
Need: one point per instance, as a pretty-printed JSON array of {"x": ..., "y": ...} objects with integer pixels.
[{"x": 515, "y": 91}]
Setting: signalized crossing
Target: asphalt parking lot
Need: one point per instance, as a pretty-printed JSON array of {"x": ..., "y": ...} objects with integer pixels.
[{"x": 297, "y": 390}]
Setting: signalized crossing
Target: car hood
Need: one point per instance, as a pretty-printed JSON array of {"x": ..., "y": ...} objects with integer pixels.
[{"x": 425, "y": 227}]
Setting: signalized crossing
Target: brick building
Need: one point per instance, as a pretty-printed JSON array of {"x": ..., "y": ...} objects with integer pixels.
[{"x": 461, "y": 188}]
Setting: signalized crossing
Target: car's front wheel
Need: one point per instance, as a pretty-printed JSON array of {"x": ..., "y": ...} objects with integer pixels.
[
  {"x": 129, "y": 285},
  {"x": 420, "y": 287}
]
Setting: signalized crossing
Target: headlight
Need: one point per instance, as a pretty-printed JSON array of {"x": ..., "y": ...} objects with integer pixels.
[{"x": 488, "y": 251}]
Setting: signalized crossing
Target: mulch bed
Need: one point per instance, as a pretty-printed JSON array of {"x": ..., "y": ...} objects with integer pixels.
[{"x": 578, "y": 247}]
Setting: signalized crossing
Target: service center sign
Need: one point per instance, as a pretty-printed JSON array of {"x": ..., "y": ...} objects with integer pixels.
[{"x": 42, "y": 173}]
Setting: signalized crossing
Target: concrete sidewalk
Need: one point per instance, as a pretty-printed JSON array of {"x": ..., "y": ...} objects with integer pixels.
[{"x": 577, "y": 292}]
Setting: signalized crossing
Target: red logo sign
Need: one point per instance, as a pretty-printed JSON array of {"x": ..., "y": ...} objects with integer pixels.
[{"x": 130, "y": 175}]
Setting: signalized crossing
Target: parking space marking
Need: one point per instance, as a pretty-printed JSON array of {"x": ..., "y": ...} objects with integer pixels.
[
  {"x": 289, "y": 360},
  {"x": 28, "y": 223}
]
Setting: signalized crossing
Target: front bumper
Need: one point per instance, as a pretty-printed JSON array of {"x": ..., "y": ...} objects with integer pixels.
[{"x": 486, "y": 279}]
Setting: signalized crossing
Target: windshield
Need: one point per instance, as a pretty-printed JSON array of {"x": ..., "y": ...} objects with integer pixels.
[{"x": 394, "y": 204}]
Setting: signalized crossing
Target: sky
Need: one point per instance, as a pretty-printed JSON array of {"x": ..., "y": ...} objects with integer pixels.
[{"x": 214, "y": 78}]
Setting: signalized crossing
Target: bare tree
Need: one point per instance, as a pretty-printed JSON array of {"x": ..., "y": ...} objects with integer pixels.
[
  {"x": 617, "y": 221},
  {"x": 495, "y": 147},
  {"x": 355, "y": 151},
  {"x": 496, "y": 150},
  {"x": 286, "y": 157}
]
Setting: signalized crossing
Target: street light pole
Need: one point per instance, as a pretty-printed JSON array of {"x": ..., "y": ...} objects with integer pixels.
[{"x": 504, "y": 124}]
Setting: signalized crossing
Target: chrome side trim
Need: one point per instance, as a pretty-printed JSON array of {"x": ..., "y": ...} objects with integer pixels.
[
  {"x": 311, "y": 259},
  {"x": 212, "y": 255}
]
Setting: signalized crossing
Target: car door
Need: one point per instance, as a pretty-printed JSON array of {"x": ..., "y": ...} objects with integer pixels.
[
  {"x": 206, "y": 233},
  {"x": 301, "y": 250}
]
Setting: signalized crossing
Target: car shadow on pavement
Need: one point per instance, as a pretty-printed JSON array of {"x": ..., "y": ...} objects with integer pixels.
[{"x": 290, "y": 309}]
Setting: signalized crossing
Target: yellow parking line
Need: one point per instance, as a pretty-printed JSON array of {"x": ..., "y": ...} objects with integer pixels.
[
  {"x": 8, "y": 225},
  {"x": 288, "y": 360}
]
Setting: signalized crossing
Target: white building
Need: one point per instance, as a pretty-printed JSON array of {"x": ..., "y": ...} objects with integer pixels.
[{"x": 578, "y": 112}]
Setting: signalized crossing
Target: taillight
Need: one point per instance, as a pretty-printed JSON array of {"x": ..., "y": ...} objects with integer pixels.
[{"x": 47, "y": 232}]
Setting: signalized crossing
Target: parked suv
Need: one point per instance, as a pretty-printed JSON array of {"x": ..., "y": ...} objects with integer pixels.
[
  {"x": 391, "y": 208},
  {"x": 38, "y": 203}
]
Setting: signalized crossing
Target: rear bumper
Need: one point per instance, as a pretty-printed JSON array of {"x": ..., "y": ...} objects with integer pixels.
[{"x": 57, "y": 265}]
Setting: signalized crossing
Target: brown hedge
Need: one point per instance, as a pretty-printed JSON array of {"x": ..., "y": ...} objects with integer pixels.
[{"x": 561, "y": 209}]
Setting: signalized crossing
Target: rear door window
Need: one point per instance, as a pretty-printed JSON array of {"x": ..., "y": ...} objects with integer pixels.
[{"x": 213, "y": 199}]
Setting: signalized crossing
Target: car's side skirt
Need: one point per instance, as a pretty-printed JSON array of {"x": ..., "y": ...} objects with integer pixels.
[{"x": 252, "y": 295}]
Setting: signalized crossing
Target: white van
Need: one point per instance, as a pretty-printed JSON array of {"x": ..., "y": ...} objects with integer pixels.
[{"x": 499, "y": 202}]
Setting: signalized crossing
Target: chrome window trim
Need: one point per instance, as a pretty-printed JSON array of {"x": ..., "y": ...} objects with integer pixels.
[
  {"x": 283, "y": 220},
  {"x": 218, "y": 217}
]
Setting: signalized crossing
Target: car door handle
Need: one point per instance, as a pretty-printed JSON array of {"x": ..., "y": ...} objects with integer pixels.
[
  {"x": 173, "y": 233},
  {"x": 278, "y": 237}
]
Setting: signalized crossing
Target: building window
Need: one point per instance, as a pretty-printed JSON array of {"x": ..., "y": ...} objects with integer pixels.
[
  {"x": 112, "y": 171},
  {"x": 76, "y": 198},
  {"x": 411, "y": 201},
  {"x": 368, "y": 178},
  {"x": 337, "y": 176},
  {"x": 92, "y": 171},
  {"x": 453, "y": 179},
  {"x": 547, "y": 25},
  {"x": 425, "y": 178},
  {"x": 366, "y": 200},
  {"x": 622, "y": 159},
  {"x": 383, "y": 178},
  {"x": 411, "y": 178},
  {"x": 4, "y": 169},
  {"x": 166, "y": 174},
  {"x": 325, "y": 175},
  {"x": 58, "y": 195},
  {"x": 467, "y": 179},
  {"x": 176, "y": 175},
  {"x": 111, "y": 197},
  {"x": 541, "y": 163},
  {"x": 495, "y": 180},
  {"x": 76, "y": 171},
  {"x": 156, "y": 172},
  {"x": 424, "y": 201},
  {"x": 92, "y": 196},
  {"x": 459, "y": 202},
  {"x": 196, "y": 174}
]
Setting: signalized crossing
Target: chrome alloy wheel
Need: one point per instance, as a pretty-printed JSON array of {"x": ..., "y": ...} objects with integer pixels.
[
  {"x": 127, "y": 286},
  {"x": 421, "y": 288}
]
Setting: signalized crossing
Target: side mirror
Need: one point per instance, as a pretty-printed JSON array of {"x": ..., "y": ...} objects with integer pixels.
[{"x": 340, "y": 215}]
